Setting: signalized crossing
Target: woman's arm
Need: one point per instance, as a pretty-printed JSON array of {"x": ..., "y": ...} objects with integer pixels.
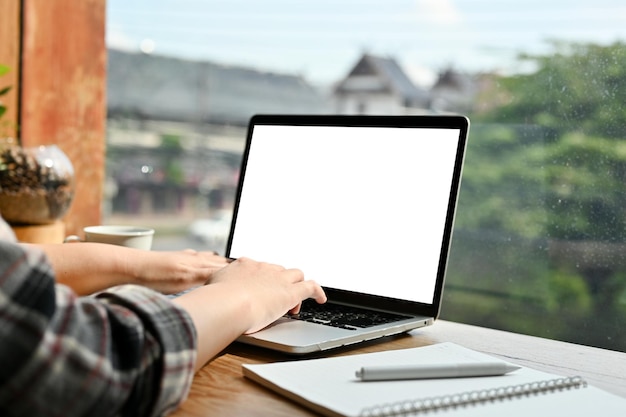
[
  {"x": 126, "y": 351},
  {"x": 243, "y": 298},
  {"x": 91, "y": 267}
]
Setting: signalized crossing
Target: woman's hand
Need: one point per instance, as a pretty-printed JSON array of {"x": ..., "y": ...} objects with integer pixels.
[
  {"x": 271, "y": 290},
  {"x": 244, "y": 297},
  {"x": 90, "y": 267},
  {"x": 173, "y": 272}
]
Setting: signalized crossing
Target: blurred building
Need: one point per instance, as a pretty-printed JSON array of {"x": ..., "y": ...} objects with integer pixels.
[
  {"x": 176, "y": 128},
  {"x": 378, "y": 85}
]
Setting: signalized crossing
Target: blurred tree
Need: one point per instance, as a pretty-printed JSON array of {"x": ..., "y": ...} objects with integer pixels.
[
  {"x": 578, "y": 88},
  {"x": 172, "y": 148},
  {"x": 560, "y": 132},
  {"x": 542, "y": 208}
]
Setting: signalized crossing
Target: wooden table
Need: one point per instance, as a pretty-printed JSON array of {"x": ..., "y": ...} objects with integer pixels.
[{"x": 219, "y": 389}]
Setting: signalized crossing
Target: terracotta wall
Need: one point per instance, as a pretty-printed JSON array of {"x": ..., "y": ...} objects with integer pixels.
[{"x": 62, "y": 93}]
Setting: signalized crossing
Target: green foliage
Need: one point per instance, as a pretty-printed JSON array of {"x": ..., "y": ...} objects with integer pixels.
[
  {"x": 171, "y": 143},
  {"x": 3, "y": 70},
  {"x": 555, "y": 163},
  {"x": 568, "y": 293},
  {"x": 580, "y": 87},
  {"x": 586, "y": 183},
  {"x": 540, "y": 234},
  {"x": 503, "y": 181}
]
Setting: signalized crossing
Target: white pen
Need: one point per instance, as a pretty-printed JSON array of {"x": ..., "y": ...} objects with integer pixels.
[{"x": 434, "y": 370}]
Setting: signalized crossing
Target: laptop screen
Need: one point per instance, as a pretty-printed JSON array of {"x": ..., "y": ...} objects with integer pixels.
[{"x": 357, "y": 208}]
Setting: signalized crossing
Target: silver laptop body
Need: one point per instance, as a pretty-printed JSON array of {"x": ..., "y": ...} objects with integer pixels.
[{"x": 364, "y": 205}]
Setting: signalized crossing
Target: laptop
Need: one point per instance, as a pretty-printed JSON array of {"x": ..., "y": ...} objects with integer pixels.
[{"x": 365, "y": 206}]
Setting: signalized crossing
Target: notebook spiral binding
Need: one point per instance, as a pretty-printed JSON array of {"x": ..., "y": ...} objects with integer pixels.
[{"x": 471, "y": 398}]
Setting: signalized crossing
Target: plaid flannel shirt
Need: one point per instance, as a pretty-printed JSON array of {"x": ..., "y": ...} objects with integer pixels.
[{"x": 127, "y": 351}]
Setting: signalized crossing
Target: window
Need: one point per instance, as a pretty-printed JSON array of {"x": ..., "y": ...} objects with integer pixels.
[{"x": 540, "y": 241}]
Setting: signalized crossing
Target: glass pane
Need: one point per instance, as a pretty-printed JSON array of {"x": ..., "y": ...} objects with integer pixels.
[{"x": 539, "y": 240}]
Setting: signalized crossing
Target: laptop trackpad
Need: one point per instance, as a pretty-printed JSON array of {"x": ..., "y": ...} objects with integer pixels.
[{"x": 299, "y": 333}]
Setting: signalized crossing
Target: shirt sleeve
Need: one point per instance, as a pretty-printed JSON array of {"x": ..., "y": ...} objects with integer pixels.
[{"x": 128, "y": 351}]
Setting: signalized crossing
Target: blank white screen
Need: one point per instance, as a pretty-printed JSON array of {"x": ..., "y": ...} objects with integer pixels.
[{"x": 356, "y": 208}]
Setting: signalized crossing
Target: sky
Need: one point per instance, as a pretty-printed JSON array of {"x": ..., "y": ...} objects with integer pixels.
[{"x": 321, "y": 40}]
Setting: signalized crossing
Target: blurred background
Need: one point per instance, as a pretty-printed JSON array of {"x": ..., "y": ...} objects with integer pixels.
[{"x": 539, "y": 244}]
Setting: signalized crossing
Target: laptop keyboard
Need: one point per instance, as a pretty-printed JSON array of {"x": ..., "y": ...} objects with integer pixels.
[{"x": 342, "y": 316}]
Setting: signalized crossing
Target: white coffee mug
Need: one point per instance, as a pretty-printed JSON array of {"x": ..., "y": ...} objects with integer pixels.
[{"x": 129, "y": 236}]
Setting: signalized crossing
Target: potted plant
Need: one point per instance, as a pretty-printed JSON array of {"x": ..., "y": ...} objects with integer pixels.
[{"x": 36, "y": 183}]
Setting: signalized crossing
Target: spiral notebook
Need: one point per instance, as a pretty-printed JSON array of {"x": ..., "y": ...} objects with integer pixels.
[{"x": 329, "y": 386}]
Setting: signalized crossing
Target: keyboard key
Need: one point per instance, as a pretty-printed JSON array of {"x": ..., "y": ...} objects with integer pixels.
[{"x": 346, "y": 317}]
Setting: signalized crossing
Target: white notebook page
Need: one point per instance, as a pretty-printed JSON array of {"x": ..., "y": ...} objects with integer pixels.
[{"x": 329, "y": 386}]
